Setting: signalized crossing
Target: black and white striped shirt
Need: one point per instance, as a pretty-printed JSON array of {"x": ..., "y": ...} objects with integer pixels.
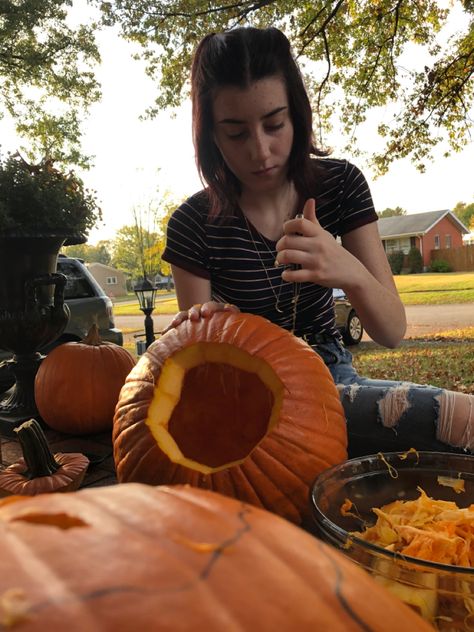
[{"x": 225, "y": 252}]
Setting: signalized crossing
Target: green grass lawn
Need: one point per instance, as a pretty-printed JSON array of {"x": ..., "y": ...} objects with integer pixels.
[
  {"x": 414, "y": 289},
  {"x": 436, "y": 289}
]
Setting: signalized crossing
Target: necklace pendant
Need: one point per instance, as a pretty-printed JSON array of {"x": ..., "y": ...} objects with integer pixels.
[{"x": 278, "y": 309}]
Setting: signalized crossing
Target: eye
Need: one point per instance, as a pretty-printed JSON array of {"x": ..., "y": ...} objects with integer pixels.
[
  {"x": 274, "y": 128},
  {"x": 236, "y": 136}
]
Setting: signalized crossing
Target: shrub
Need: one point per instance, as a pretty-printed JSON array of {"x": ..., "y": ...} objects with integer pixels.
[
  {"x": 415, "y": 261},
  {"x": 396, "y": 260},
  {"x": 440, "y": 265},
  {"x": 40, "y": 198}
]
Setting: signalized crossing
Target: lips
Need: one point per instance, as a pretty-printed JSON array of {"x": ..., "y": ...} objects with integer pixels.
[{"x": 264, "y": 172}]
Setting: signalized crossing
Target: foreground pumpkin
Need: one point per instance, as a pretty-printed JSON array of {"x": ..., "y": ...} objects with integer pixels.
[
  {"x": 235, "y": 404},
  {"x": 136, "y": 557},
  {"x": 40, "y": 471},
  {"x": 78, "y": 384}
]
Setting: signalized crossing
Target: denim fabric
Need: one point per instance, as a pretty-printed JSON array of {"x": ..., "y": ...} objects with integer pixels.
[{"x": 361, "y": 397}]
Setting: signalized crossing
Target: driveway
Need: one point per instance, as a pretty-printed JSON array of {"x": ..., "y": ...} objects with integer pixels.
[{"x": 422, "y": 319}]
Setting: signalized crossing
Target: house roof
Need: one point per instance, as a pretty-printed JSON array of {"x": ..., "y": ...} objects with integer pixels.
[
  {"x": 96, "y": 264},
  {"x": 415, "y": 224}
]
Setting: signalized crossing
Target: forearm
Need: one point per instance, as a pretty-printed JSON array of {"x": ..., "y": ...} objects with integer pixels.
[{"x": 379, "y": 307}]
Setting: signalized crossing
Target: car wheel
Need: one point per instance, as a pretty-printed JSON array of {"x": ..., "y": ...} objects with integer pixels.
[{"x": 353, "y": 332}]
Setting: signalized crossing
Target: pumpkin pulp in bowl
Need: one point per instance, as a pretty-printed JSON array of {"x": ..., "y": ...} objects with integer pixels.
[{"x": 442, "y": 593}]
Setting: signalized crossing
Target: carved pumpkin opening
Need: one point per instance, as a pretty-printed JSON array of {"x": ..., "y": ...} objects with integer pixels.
[
  {"x": 60, "y": 520},
  {"x": 213, "y": 404}
]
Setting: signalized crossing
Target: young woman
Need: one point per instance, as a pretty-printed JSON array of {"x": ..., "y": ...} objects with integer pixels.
[{"x": 261, "y": 237}]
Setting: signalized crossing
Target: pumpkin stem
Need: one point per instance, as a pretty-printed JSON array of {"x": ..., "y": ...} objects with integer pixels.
[
  {"x": 38, "y": 457},
  {"x": 93, "y": 337}
]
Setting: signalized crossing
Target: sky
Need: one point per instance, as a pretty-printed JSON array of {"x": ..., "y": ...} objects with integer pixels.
[{"x": 136, "y": 162}]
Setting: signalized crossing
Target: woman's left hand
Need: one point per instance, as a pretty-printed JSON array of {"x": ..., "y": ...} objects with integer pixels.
[
  {"x": 197, "y": 311},
  {"x": 319, "y": 257}
]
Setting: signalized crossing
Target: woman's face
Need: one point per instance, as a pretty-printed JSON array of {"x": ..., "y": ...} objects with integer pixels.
[{"x": 254, "y": 132}]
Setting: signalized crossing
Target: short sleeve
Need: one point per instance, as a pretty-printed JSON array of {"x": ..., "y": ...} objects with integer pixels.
[
  {"x": 357, "y": 207},
  {"x": 186, "y": 245}
]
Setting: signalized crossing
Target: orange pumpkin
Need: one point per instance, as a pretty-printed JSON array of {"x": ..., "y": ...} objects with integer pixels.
[
  {"x": 171, "y": 559},
  {"x": 77, "y": 385},
  {"x": 235, "y": 404},
  {"x": 39, "y": 471}
]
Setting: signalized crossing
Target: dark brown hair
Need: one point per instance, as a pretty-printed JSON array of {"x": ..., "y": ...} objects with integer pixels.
[{"x": 237, "y": 58}]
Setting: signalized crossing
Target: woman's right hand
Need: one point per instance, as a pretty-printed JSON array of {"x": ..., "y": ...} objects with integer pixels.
[{"x": 195, "y": 312}]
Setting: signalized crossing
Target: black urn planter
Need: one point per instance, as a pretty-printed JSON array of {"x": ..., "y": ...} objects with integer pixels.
[{"x": 32, "y": 314}]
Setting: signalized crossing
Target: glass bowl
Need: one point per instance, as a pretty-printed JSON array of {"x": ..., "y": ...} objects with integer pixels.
[{"x": 441, "y": 593}]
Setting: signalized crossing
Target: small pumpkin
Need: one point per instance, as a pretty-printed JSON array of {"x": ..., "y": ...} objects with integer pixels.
[
  {"x": 235, "y": 404},
  {"x": 78, "y": 383},
  {"x": 136, "y": 557},
  {"x": 39, "y": 471}
]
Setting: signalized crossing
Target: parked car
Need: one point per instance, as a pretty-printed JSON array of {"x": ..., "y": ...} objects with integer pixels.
[
  {"x": 347, "y": 320},
  {"x": 87, "y": 303}
]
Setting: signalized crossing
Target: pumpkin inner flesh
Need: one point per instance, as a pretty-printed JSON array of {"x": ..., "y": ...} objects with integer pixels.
[{"x": 213, "y": 404}]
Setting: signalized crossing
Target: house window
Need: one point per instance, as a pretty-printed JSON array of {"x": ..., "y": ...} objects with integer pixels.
[
  {"x": 447, "y": 241},
  {"x": 436, "y": 242},
  {"x": 393, "y": 245},
  {"x": 111, "y": 280}
]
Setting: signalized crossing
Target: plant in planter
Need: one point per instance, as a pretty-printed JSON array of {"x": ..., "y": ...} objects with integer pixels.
[
  {"x": 41, "y": 208},
  {"x": 42, "y": 199}
]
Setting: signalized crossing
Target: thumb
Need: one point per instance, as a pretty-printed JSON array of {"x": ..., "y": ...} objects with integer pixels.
[{"x": 309, "y": 211}]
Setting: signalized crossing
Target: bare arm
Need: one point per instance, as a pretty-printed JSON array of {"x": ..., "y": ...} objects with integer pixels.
[
  {"x": 190, "y": 289},
  {"x": 373, "y": 292}
]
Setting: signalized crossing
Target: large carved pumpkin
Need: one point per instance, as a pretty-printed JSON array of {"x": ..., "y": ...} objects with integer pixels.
[
  {"x": 235, "y": 404},
  {"x": 170, "y": 559}
]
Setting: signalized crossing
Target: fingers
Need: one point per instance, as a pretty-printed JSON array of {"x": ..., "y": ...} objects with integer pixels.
[
  {"x": 309, "y": 211},
  {"x": 197, "y": 311},
  {"x": 210, "y": 308}
]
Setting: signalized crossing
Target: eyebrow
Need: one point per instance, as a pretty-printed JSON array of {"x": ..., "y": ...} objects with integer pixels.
[{"x": 265, "y": 116}]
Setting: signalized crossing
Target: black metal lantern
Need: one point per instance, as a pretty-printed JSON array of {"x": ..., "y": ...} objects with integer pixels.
[{"x": 146, "y": 294}]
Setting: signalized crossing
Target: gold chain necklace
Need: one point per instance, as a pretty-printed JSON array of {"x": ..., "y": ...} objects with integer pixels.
[
  {"x": 296, "y": 285},
  {"x": 277, "y": 296}
]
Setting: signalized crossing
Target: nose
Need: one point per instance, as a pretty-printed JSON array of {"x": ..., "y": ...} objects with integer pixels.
[{"x": 259, "y": 147}]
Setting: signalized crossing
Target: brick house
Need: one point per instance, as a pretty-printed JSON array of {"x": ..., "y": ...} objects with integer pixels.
[
  {"x": 426, "y": 231},
  {"x": 112, "y": 281}
]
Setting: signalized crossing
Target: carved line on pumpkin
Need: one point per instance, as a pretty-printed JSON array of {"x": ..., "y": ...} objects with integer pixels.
[
  {"x": 59, "y": 520},
  {"x": 338, "y": 589}
]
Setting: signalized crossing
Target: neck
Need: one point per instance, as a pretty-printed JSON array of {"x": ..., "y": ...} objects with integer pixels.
[{"x": 267, "y": 210}]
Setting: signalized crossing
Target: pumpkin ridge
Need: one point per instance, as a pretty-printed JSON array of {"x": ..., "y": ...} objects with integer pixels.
[
  {"x": 281, "y": 450},
  {"x": 249, "y": 476},
  {"x": 280, "y": 504},
  {"x": 239, "y": 471},
  {"x": 223, "y": 484},
  {"x": 272, "y": 464},
  {"x": 243, "y": 486},
  {"x": 292, "y": 484},
  {"x": 287, "y": 439}
]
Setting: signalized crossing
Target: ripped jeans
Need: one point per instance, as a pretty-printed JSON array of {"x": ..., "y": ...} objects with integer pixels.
[{"x": 384, "y": 415}]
